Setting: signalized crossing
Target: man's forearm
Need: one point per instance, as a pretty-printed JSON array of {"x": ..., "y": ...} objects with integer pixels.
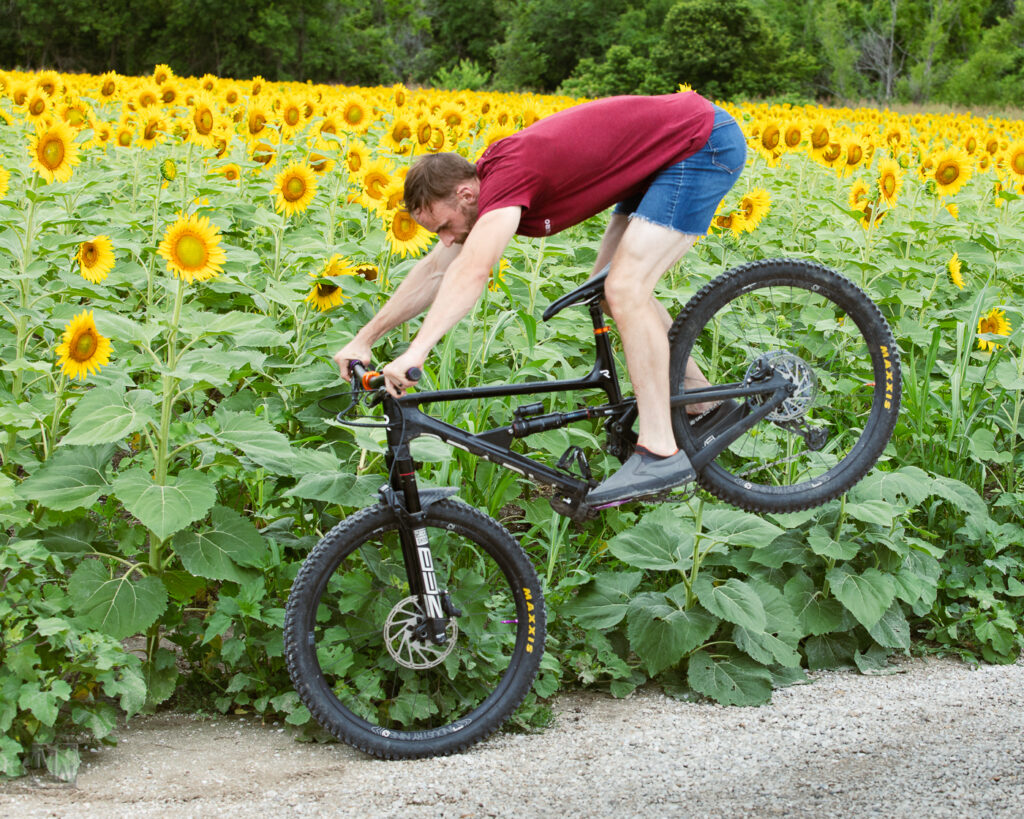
[{"x": 414, "y": 295}]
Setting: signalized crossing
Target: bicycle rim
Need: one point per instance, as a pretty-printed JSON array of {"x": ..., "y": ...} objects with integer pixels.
[
  {"x": 835, "y": 346},
  {"x": 374, "y": 683}
]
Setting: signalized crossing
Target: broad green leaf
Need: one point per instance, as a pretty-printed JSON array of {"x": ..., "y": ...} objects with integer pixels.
[
  {"x": 872, "y": 511},
  {"x": 44, "y": 704},
  {"x": 872, "y": 661},
  {"x": 960, "y": 495},
  {"x": 220, "y": 551},
  {"x": 103, "y": 416},
  {"x": 337, "y": 486},
  {"x": 766, "y": 648},
  {"x": 735, "y": 680},
  {"x": 734, "y": 600},
  {"x": 738, "y": 528},
  {"x": 603, "y": 602},
  {"x": 822, "y": 543},
  {"x": 893, "y": 630},
  {"x": 265, "y": 446},
  {"x": 905, "y": 487},
  {"x": 166, "y": 509},
  {"x": 917, "y": 579},
  {"x": 216, "y": 366},
  {"x": 119, "y": 606},
  {"x": 789, "y": 548},
  {"x": 72, "y": 478},
  {"x": 830, "y": 651},
  {"x": 662, "y": 634},
  {"x": 661, "y": 541},
  {"x": 816, "y": 614},
  {"x": 867, "y": 594},
  {"x": 983, "y": 447}
]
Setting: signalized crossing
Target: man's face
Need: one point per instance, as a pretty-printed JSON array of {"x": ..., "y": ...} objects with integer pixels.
[{"x": 451, "y": 219}]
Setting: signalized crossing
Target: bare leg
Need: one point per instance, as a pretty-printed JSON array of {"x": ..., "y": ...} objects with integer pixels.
[
  {"x": 644, "y": 252},
  {"x": 693, "y": 378}
]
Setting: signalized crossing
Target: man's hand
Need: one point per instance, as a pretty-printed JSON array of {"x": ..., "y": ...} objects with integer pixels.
[
  {"x": 353, "y": 351},
  {"x": 394, "y": 374}
]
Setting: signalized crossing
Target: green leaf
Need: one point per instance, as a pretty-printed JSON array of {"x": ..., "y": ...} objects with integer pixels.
[
  {"x": 103, "y": 416},
  {"x": 867, "y": 594},
  {"x": 166, "y": 509},
  {"x": 335, "y": 486},
  {"x": 815, "y": 613},
  {"x": 734, "y": 600},
  {"x": 661, "y": 541},
  {"x": 118, "y": 606},
  {"x": 893, "y": 630},
  {"x": 267, "y": 447},
  {"x": 872, "y": 661},
  {"x": 662, "y": 634},
  {"x": 72, "y": 478},
  {"x": 604, "y": 601},
  {"x": 219, "y": 552},
  {"x": 766, "y": 648},
  {"x": 879, "y": 512},
  {"x": 734, "y": 680},
  {"x": 822, "y": 543},
  {"x": 738, "y": 528},
  {"x": 830, "y": 651}
]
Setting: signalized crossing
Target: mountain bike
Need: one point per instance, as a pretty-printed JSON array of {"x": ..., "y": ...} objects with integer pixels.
[{"x": 416, "y": 626}]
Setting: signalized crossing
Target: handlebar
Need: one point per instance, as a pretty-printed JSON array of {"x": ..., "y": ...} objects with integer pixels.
[{"x": 369, "y": 379}]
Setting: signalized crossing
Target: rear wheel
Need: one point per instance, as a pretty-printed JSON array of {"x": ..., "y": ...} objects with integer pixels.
[
  {"x": 830, "y": 341},
  {"x": 366, "y": 674}
]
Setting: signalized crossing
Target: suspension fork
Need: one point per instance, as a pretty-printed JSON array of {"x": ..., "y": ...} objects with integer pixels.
[{"x": 412, "y": 529}]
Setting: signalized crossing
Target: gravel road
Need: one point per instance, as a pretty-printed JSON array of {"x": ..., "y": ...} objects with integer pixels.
[{"x": 936, "y": 738}]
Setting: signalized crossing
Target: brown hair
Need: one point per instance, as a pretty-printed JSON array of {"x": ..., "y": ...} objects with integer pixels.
[{"x": 433, "y": 178}]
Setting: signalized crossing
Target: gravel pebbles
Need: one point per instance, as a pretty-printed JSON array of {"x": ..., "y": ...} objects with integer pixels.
[{"x": 935, "y": 738}]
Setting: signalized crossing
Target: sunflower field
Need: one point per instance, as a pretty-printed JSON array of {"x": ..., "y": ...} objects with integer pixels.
[{"x": 179, "y": 260}]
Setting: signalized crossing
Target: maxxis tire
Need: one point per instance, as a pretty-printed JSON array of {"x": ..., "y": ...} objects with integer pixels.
[
  {"x": 366, "y": 528},
  {"x": 762, "y": 276}
]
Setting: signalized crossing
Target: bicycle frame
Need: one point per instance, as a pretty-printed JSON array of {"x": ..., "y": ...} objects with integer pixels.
[{"x": 405, "y": 421}]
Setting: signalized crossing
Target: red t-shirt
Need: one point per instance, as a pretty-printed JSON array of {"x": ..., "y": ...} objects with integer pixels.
[{"x": 573, "y": 164}]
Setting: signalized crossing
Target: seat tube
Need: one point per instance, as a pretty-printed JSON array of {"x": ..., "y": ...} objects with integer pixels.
[{"x": 605, "y": 360}]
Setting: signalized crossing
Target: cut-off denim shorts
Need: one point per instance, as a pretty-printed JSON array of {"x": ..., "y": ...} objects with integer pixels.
[{"x": 684, "y": 196}]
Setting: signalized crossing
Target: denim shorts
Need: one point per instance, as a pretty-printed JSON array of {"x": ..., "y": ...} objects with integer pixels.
[{"x": 684, "y": 196}]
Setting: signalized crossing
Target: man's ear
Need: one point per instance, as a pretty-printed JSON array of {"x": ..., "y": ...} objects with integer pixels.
[{"x": 466, "y": 191}]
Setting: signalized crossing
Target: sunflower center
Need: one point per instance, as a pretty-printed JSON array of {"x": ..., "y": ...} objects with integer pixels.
[
  {"x": 203, "y": 121},
  {"x": 423, "y": 133},
  {"x": 191, "y": 251},
  {"x": 403, "y": 227},
  {"x": 889, "y": 184},
  {"x": 108, "y": 88},
  {"x": 325, "y": 289},
  {"x": 89, "y": 254},
  {"x": 374, "y": 185},
  {"x": 293, "y": 188},
  {"x": 1017, "y": 163},
  {"x": 124, "y": 139},
  {"x": 354, "y": 115},
  {"x": 854, "y": 155},
  {"x": 37, "y": 107},
  {"x": 231, "y": 174},
  {"x": 83, "y": 345},
  {"x": 819, "y": 137},
  {"x": 770, "y": 137},
  {"x": 988, "y": 325},
  {"x": 75, "y": 117},
  {"x": 51, "y": 152},
  {"x": 318, "y": 162},
  {"x": 947, "y": 173},
  {"x": 151, "y": 130},
  {"x": 355, "y": 162},
  {"x": 400, "y": 132},
  {"x": 292, "y": 116}
]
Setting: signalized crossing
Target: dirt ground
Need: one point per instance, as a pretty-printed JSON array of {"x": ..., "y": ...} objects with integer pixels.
[{"x": 937, "y": 738}]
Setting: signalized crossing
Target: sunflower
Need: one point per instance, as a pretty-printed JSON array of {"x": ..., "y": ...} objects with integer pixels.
[
  {"x": 793, "y": 136},
  {"x": 326, "y": 293},
  {"x": 5, "y": 178},
  {"x": 732, "y": 221},
  {"x": 366, "y": 270},
  {"x": 950, "y": 171},
  {"x": 264, "y": 152},
  {"x": 319, "y": 160},
  {"x": 498, "y": 275},
  {"x": 76, "y": 113},
  {"x": 355, "y": 115},
  {"x": 357, "y": 158},
  {"x": 890, "y": 180},
  {"x": 152, "y": 131},
  {"x": 38, "y": 107},
  {"x": 96, "y": 258},
  {"x": 294, "y": 187},
  {"x": 203, "y": 120},
  {"x": 124, "y": 135},
  {"x": 162, "y": 73},
  {"x": 292, "y": 114},
  {"x": 109, "y": 85},
  {"x": 955, "y": 266},
  {"x": 146, "y": 96},
  {"x": 230, "y": 172},
  {"x": 398, "y": 138},
  {"x": 192, "y": 249},
  {"x": 1015, "y": 160},
  {"x": 54, "y": 152},
  {"x": 49, "y": 81},
  {"x": 994, "y": 322},
  {"x": 375, "y": 179},
  {"x": 256, "y": 119},
  {"x": 754, "y": 207},
  {"x": 853, "y": 154},
  {"x": 83, "y": 349},
  {"x": 407, "y": 236}
]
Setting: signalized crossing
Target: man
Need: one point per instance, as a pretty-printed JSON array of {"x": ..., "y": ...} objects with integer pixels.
[{"x": 666, "y": 161}]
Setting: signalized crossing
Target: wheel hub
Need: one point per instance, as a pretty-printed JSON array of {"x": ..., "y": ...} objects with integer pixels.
[
  {"x": 795, "y": 370},
  {"x": 403, "y": 644}
]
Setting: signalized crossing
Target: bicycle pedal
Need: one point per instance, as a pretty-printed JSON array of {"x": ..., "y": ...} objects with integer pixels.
[
  {"x": 574, "y": 456},
  {"x": 578, "y": 512}
]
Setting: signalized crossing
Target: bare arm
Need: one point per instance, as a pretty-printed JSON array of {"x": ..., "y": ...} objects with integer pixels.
[
  {"x": 460, "y": 289},
  {"x": 414, "y": 295}
]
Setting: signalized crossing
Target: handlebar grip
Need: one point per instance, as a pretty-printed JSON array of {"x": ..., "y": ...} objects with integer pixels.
[
  {"x": 370, "y": 379},
  {"x": 414, "y": 373}
]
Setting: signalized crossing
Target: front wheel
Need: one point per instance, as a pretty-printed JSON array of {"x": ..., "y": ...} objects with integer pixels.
[
  {"x": 830, "y": 340},
  {"x": 356, "y": 659}
]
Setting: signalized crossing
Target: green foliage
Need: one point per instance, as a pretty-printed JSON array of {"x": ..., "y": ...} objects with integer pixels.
[
  {"x": 61, "y": 676},
  {"x": 467, "y": 75}
]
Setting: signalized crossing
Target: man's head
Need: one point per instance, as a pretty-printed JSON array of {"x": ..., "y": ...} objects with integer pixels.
[{"x": 440, "y": 193}]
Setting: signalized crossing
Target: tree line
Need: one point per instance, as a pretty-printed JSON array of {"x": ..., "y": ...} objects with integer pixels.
[{"x": 968, "y": 52}]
